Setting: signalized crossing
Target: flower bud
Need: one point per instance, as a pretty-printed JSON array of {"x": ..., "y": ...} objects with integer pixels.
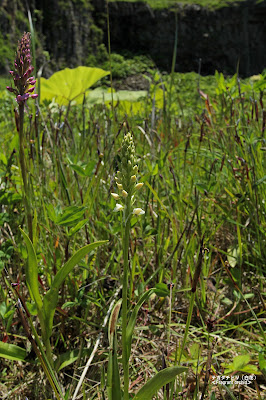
[
  {"x": 120, "y": 186},
  {"x": 124, "y": 193},
  {"x": 133, "y": 178},
  {"x": 139, "y": 186},
  {"x": 115, "y": 196}
]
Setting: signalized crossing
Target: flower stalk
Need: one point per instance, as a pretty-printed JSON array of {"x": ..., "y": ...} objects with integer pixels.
[{"x": 126, "y": 181}]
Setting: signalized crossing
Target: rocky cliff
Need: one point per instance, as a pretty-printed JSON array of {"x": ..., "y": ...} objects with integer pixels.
[
  {"x": 72, "y": 31},
  {"x": 219, "y": 38},
  {"x": 65, "y": 31}
]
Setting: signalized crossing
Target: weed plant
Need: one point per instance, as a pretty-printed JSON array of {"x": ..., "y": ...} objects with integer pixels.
[{"x": 198, "y": 250}]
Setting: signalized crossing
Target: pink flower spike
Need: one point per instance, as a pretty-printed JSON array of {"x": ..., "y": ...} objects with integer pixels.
[{"x": 23, "y": 80}]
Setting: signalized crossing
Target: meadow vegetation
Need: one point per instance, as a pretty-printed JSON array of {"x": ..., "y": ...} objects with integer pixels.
[{"x": 193, "y": 245}]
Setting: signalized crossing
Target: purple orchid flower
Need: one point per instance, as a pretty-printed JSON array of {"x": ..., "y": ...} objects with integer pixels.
[{"x": 23, "y": 81}]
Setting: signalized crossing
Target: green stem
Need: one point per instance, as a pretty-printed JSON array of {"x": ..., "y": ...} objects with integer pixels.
[
  {"x": 191, "y": 305},
  {"x": 22, "y": 161},
  {"x": 125, "y": 355}
]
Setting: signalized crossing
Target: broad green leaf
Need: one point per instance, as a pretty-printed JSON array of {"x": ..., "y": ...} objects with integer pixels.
[
  {"x": 78, "y": 169},
  {"x": 51, "y": 297},
  {"x": 159, "y": 380},
  {"x": 70, "y": 216},
  {"x": 77, "y": 227},
  {"x": 32, "y": 271},
  {"x": 70, "y": 264},
  {"x": 240, "y": 361},
  {"x": 68, "y": 358},
  {"x": 195, "y": 351},
  {"x": 233, "y": 256},
  {"x": 70, "y": 84},
  {"x": 132, "y": 320},
  {"x": 262, "y": 362},
  {"x": 32, "y": 308},
  {"x": 161, "y": 289},
  {"x": 250, "y": 369},
  {"x": 49, "y": 305},
  {"x": 12, "y": 352}
]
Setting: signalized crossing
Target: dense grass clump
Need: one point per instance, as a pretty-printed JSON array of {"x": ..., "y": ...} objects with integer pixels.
[{"x": 197, "y": 246}]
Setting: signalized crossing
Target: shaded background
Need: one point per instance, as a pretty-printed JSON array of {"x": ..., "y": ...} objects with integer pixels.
[{"x": 72, "y": 33}]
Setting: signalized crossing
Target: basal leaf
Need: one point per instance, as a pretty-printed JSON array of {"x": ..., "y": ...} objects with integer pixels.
[
  {"x": 12, "y": 352},
  {"x": 51, "y": 298},
  {"x": 159, "y": 380},
  {"x": 69, "y": 358},
  {"x": 240, "y": 361},
  {"x": 113, "y": 378},
  {"x": 32, "y": 271},
  {"x": 70, "y": 216},
  {"x": 78, "y": 169},
  {"x": 262, "y": 362},
  {"x": 70, "y": 264},
  {"x": 132, "y": 320},
  {"x": 77, "y": 227},
  {"x": 161, "y": 289}
]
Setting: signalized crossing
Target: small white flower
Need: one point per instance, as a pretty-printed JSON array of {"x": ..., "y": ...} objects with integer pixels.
[
  {"x": 133, "y": 178},
  {"x": 139, "y": 185},
  {"x": 118, "y": 207},
  {"x": 120, "y": 186},
  {"x": 138, "y": 211},
  {"x": 115, "y": 196},
  {"x": 124, "y": 193}
]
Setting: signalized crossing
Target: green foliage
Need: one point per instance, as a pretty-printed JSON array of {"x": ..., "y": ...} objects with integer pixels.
[
  {"x": 46, "y": 306},
  {"x": 241, "y": 364},
  {"x": 124, "y": 66}
]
